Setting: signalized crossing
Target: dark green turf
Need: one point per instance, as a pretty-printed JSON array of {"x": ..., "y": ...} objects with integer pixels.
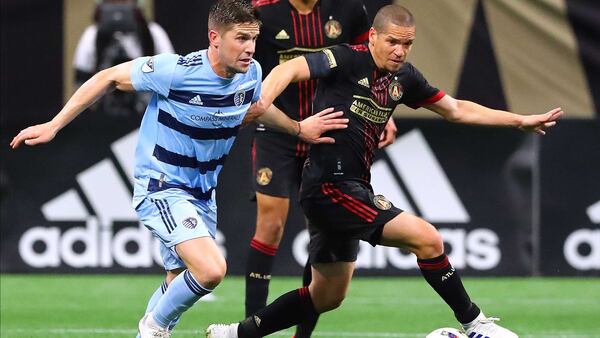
[{"x": 110, "y": 306}]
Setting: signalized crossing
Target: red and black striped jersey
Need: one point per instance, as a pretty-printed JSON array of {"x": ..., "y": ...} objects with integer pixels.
[
  {"x": 286, "y": 34},
  {"x": 350, "y": 82}
]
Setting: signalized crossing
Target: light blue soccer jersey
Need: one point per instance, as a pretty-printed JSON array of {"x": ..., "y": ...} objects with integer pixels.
[{"x": 190, "y": 124}]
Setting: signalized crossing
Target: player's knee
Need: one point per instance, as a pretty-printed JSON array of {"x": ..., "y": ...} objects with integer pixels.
[
  {"x": 210, "y": 277},
  {"x": 430, "y": 243},
  {"x": 333, "y": 302},
  {"x": 270, "y": 231}
]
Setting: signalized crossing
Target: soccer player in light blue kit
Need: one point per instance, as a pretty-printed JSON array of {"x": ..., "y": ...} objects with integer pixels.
[{"x": 199, "y": 103}]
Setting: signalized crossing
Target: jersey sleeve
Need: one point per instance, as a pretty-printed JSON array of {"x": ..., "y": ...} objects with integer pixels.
[
  {"x": 329, "y": 61},
  {"x": 154, "y": 73},
  {"x": 419, "y": 92},
  {"x": 360, "y": 23},
  {"x": 258, "y": 88}
]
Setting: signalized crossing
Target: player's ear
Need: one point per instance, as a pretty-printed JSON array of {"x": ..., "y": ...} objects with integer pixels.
[
  {"x": 214, "y": 38},
  {"x": 372, "y": 35}
]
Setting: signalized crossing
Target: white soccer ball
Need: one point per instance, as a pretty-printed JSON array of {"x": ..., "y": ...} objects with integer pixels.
[{"x": 446, "y": 332}]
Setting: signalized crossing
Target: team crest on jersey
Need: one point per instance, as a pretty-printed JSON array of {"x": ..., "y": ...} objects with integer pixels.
[
  {"x": 381, "y": 202},
  {"x": 238, "y": 97},
  {"x": 148, "y": 66},
  {"x": 333, "y": 28},
  {"x": 190, "y": 222},
  {"x": 264, "y": 175},
  {"x": 395, "y": 90}
]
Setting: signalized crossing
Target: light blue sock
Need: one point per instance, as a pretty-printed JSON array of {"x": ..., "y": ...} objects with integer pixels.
[
  {"x": 156, "y": 296},
  {"x": 181, "y": 294},
  {"x": 154, "y": 300}
]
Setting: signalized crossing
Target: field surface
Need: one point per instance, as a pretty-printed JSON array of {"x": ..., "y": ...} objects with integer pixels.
[{"x": 110, "y": 306}]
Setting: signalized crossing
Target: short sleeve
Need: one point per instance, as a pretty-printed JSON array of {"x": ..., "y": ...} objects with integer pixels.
[
  {"x": 329, "y": 61},
  {"x": 258, "y": 87},
  {"x": 154, "y": 73},
  {"x": 419, "y": 92}
]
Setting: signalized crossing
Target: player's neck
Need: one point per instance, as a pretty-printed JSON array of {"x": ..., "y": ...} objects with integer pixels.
[
  {"x": 303, "y": 6},
  {"x": 217, "y": 67},
  {"x": 379, "y": 64}
]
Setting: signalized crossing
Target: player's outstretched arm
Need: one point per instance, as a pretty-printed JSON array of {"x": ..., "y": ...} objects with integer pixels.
[
  {"x": 106, "y": 80},
  {"x": 462, "y": 111}
]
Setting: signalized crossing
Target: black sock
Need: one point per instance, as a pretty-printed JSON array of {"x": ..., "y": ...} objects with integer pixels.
[
  {"x": 258, "y": 275},
  {"x": 287, "y": 310},
  {"x": 444, "y": 279},
  {"x": 306, "y": 327}
]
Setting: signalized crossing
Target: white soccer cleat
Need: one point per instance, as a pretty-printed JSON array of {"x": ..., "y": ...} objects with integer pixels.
[
  {"x": 148, "y": 328},
  {"x": 483, "y": 327},
  {"x": 222, "y": 331}
]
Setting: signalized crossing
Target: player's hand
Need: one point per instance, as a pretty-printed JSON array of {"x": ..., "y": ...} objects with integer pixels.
[
  {"x": 389, "y": 134},
  {"x": 313, "y": 127},
  {"x": 41, "y": 133},
  {"x": 539, "y": 123}
]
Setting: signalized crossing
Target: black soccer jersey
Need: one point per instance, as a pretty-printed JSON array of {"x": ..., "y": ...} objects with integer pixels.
[
  {"x": 286, "y": 34},
  {"x": 351, "y": 82}
]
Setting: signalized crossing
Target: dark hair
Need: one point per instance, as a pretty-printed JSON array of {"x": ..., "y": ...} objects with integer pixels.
[
  {"x": 225, "y": 13},
  {"x": 395, "y": 14}
]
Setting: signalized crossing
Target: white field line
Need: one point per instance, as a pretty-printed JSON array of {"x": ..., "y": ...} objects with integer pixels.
[{"x": 337, "y": 334}]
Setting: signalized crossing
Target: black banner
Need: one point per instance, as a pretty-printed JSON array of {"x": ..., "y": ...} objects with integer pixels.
[
  {"x": 570, "y": 200},
  {"x": 477, "y": 185}
]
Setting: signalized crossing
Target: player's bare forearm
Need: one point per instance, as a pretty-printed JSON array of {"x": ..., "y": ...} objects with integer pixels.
[
  {"x": 273, "y": 117},
  {"x": 281, "y": 76},
  {"x": 473, "y": 113},
  {"x": 86, "y": 95},
  {"x": 462, "y": 111}
]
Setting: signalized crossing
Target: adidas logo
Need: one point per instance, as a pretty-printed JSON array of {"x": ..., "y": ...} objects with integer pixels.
[
  {"x": 104, "y": 197},
  {"x": 282, "y": 35},
  {"x": 197, "y": 100},
  {"x": 364, "y": 82}
]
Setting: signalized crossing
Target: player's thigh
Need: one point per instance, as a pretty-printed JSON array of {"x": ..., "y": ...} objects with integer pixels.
[
  {"x": 174, "y": 219},
  {"x": 413, "y": 233},
  {"x": 271, "y": 209}
]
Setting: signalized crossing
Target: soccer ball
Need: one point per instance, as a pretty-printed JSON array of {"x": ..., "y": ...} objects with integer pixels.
[{"x": 446, "y": 332}]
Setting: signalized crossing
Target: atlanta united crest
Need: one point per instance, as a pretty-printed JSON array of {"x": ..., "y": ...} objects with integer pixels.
[
  {"x": 395, "y": 90},
  {"x": 264, "y": 175},
  {"x": 381, "y": 202},
  {"x": 238, "y": 97},
  {"x": 333, "y": 28}
]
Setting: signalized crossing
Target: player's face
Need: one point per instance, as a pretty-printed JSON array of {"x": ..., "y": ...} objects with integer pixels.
[
  {"x": 391, "y": 47},
  {"x": 237, "y": 46}
]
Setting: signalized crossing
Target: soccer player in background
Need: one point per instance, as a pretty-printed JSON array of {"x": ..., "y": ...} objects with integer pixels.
[
  {"x": 367, "y": 82},
  {"x": 291, "y": 28},
  {"x": 199, "y": 102}
]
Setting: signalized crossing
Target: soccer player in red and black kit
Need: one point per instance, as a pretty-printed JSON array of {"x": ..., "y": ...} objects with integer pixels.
[
  {"x": 291, "y": 28},
  {"x": 367, "y": 82}
]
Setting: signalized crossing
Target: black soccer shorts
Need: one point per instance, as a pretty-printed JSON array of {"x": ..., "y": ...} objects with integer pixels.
[
  {"x": 340, "y": 214},
  {"x": 277, "y": 161}
]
